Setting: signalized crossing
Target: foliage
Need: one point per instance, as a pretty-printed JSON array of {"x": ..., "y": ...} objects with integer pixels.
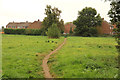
[
  {"x": 87, "y": 19},
  {"x": 53, "y": 16},
  {"x": 2, "y": 27},
  {"x": 86, "y": 31},
  {"x": 114, "y": 14},
  {"x": 115, "y": 18},
  {"x": 53, "y": 32},
  {"x": 14, "y": 31},
  {"x": 71, "y": 30},
  {"x": 22, "y": 55},
  {"x": 23, "y": 31},
  {"x": 86, "y": 57},
  {"x": 33, "y": 31}
]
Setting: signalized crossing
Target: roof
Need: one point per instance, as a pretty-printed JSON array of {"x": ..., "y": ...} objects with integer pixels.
[
  {"x": 18, "y": 24},
  {"x": 70, "y": 24}
]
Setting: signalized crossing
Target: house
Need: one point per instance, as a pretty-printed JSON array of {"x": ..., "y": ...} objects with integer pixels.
[
  {"x": 18, "y": 25},
  {"x": 24, "y": 25},
  {"x": 35, "y": 25},
  {"x": 69, "y": 26},
  {"x": 105, "y": 28}
]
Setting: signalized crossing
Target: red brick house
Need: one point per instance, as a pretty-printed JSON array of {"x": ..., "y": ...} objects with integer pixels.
[
  {"x": 106, "y": 28},
  {"x": 68, "y": 26},
  {"x": 18, "y": 25},
  {"x": 35, "y": 25},
  {"x": 24, "y": 25}
]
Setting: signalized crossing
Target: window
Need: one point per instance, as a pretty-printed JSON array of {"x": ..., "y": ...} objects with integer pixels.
[
  {"x": 112, "y": 27},
  {"x": 26, "y": 26},
  {"x": 18, "y": 27},
  {"x": 13, "y": 26},
  {"x": 9, "y": 26}
]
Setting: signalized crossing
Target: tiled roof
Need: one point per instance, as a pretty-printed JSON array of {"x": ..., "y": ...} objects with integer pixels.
[{"x": 18, "y": 24}]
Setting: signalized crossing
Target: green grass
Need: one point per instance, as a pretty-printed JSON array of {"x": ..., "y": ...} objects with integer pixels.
[
  {"x": 86, "y": 57},
  {"x": 22, "y": 55}
]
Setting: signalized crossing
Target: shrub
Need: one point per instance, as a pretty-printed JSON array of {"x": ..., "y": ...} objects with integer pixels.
[
  {"x": 14, "y": 31},
  {"x": 53, "y": 31},
  {"x": 23, "y": 31},
  {"x": 33, "y": 31},
  {"x": 86, "y": 31}
]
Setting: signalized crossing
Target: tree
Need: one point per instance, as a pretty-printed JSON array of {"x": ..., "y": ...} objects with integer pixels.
[
  {"x": 53, "y": 16},
  {"x": 2, "y": 28},
  {"x": 114, "y": 14},
  {"x": 71, "y": 31},
  {"x": 53, "y": 31},
  {"x": 87, "y": 18}
]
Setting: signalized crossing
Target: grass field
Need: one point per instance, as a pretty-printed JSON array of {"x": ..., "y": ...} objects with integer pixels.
[
  {"x": 22, "y": 55},
  {"x": 86, "y": 57}
]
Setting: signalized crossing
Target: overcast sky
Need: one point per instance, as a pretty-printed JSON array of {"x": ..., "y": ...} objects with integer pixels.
[{"x": 31, "y": 10}]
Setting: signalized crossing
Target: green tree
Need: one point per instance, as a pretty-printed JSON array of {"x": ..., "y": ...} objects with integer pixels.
[
  {"x": 71, "y": 31},
  {"x": 114, "y": 14},
  {"x": 52, "y": 16},
  {"x": 53, "y": 31},
  {"x": 87, "y": 18},
  {"x": 2, "y": 28}
]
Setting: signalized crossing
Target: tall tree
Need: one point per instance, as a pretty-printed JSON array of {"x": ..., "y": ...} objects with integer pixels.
[
  {"x": 52, "y": 16},
  {"x": 87, "y": 18},
  {"x": 114, "y": 14},
  {"x": 53, "y": 31}
]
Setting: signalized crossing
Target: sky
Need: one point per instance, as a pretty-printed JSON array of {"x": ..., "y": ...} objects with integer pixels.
[{"x": 31, "y": 10}]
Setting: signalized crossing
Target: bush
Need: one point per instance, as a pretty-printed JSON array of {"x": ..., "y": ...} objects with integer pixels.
[
  {"x": 23, "y": 31},
  {"x": 33, "y": 31},
  {"x": 86, "y": 31},
  {"x": 53, "y": 31},
  {"x": 14, "y": 31}
]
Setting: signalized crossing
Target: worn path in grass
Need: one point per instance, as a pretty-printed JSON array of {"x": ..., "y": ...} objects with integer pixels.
[{"x": 45, "y": 60}]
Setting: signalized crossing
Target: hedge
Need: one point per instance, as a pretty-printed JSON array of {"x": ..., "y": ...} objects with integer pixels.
[
  {"x": 33, "y": 31},
  {"x": 23, "y": 31},
  {"x": 14, "y": 31}
]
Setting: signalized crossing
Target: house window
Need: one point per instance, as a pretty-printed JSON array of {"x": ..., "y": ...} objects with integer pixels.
[
  {"x": 112, "y": 27},
  {"x": 18, "y": 27},
  {"x": 13, "y": 26},
  {"x": 26, "y": 26},
  {"x": 9, "y": 26}
]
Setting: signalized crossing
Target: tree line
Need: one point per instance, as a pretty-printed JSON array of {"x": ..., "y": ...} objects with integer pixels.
[{"x": 87, "y": 21}]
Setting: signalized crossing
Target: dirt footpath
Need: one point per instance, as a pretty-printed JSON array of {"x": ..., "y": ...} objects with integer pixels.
[{"x": 45, "y": 60}]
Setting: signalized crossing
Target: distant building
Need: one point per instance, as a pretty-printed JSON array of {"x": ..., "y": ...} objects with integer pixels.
[
  {"x": 24, "y": 25},
  {"x": 35, "y": 25},
  {"x": 105, "y": 28},
  {"x": 68, "y": 26},
  {"x": 18, "y": 25}
]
